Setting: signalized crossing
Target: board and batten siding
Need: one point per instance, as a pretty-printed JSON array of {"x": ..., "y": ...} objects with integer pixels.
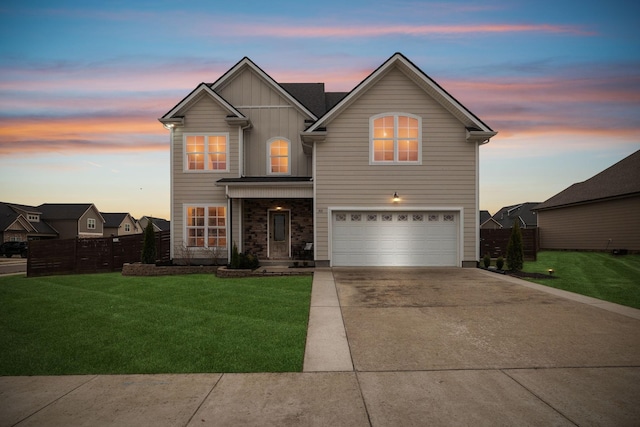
[
  {"x": 446, "y": 178},
  {"x": 590, "y": 226},
  {"x": 203, "y": 115},
  {"x": 271, "y": 116}
]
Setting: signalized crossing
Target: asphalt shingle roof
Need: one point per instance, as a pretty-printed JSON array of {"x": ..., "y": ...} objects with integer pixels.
[{"x": 619, "y": 180}]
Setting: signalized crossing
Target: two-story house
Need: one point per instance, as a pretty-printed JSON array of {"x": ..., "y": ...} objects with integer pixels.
[{"x": 385, "y": 175}]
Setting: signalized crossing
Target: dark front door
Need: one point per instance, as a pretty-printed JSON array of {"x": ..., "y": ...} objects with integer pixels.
[{"x": 279, "y": 242}]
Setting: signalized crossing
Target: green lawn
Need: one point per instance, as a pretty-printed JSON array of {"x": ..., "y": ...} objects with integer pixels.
[
  {"x": 599, "y": 275},
  {"x": 110, "y": 324}
]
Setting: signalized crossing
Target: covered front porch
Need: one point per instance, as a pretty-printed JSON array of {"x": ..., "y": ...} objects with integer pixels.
[{"x": 273, "y": 218}]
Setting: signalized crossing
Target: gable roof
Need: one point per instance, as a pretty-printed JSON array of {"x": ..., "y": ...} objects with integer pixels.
[
  {"x": 522, "y": 212},
  {"x": 470, "y": 120},
  {"x": 58, "y": 211},
  {"x": 9, "y": 216},
  {"x": 484, "y": 216},
  {"x": 113, "y": 220},
  {"x": 620, "y": 180},
  {"x": 13, "y": 210},
  {"x": 248, "y": 63},
  {"x": 202, "y": 88},
  {"x": 159, "y": 223}
]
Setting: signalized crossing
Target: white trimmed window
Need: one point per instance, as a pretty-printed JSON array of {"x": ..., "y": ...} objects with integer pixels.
[
  {"x": 206, "y": 152},
  {"x": 91, "y": 223},
  {"x": 206, "y": 226},
  {"x": 127, "y": 228},
  {"x": 279, "y": 158},
  {"x": 396, "y": 138}
]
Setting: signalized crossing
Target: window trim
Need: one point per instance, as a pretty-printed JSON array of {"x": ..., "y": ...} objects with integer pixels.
[
  {"x": 395, "y": 160},
  {"x": 206, "y": 135},
  {"x": 186, "y": 227},
  {"x": 91, "y": 223},
  {"x": 271, "y": 141}
]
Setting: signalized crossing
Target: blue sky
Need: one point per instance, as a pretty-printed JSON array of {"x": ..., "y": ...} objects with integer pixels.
[{"x": 82, "y": 84}]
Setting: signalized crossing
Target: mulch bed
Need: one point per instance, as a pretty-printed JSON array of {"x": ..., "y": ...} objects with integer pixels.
[
  {"x": 529, "y": 275},
  {"x": 521, "y": 274}
]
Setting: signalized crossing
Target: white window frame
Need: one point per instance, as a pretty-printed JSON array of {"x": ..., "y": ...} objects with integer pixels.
[
  {"x": 206, "y": 152},
  {"x": 91, "y": 223},
  {"x": 269, "y": 142},
  {"x": 127, "y": 227},
  {"x": 395, "y": 160},
  {"x": 187, "y": 227}
]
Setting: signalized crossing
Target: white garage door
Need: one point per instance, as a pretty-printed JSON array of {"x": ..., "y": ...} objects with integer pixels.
[{"x": 395, "y": 238}]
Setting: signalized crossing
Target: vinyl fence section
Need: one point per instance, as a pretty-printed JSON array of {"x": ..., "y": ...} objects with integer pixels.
[
  {"x": 80, "y": 256},
  {"x": 494, "y": 242}
]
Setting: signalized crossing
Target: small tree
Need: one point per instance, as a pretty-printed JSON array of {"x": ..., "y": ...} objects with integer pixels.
[
  {"x": 515, "y": 251},
  {"x": 235, "y": 257},
  {"x": 149, "y": 244}
]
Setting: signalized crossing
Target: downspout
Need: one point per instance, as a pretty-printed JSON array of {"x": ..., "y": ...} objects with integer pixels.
[{"x": 230, "y": 210}]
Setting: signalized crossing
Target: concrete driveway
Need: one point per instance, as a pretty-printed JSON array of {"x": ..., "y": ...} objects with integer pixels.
[{"x": 454, "y": 346}]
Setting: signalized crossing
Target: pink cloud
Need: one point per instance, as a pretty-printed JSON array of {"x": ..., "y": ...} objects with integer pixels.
[
  {"x": 363, "y": 31},
  {"x": 29, "y": 136}
]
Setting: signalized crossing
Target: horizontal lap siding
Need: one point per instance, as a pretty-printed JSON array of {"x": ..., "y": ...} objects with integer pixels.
[
  {"x": 590, "y": 226},
  {"x": 446, "y": 177},
  {"x": 204, "y": 115}
]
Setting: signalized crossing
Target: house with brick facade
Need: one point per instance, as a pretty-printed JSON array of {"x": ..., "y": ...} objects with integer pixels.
[{"x": 383, "y": 175}]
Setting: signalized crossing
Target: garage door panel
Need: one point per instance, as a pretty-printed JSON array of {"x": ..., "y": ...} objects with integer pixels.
[{"x": 394, "y": 239}]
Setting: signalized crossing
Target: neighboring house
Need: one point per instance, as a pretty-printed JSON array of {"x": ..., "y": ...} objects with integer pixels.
[
  {"x": 523, "y": 213},
  {"x": 19, "y": 223},
  {"x": 601, "y": 213},
  {"x": 119, "y": 224},
  {"x": 159, "y": 224},
  {"x": 384, "y": 175},
  {"x": 73, "y": 220},
  {"x": 487, "y": 222}
]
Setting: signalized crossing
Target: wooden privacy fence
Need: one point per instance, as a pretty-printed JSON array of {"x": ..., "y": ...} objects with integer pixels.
[
  {"x": 90, "y": 255},
  {"x": 494, "y": 242}
]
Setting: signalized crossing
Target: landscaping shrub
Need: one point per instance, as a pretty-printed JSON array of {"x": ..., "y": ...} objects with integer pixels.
[
  {"x": 149, "y": 244},
  {"x": 500, "y": 262},
  {"x": 515, "y": 250},
  {"x": 486, "y": 260},
  {"x": 244, "y": 261}
]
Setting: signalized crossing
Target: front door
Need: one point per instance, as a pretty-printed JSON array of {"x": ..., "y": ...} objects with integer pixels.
[{"x": 279, "y": 235}]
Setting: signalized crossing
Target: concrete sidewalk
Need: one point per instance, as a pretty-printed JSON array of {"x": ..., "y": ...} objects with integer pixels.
[{"x": 331, "y": 392}]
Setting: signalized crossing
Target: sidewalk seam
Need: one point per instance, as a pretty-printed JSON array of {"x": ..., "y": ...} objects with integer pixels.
[{"x": 93, "y": 377}]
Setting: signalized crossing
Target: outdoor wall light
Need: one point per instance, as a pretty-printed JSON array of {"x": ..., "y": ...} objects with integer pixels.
[{"x": 396, "y": 198}]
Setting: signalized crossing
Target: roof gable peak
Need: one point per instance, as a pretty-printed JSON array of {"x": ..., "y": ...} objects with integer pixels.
[
  {"x": 423, "y": 80},
  {"x": 246, "y": 62}
]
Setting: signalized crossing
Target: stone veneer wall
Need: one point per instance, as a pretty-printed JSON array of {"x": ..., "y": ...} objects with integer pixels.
[{"x": 254, "y": 222}]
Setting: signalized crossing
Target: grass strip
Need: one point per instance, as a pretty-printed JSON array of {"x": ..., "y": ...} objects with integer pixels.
[{"x": 595, "y": 274}]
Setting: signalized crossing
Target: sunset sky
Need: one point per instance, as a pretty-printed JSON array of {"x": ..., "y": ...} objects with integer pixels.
[{"x": 82, "y": 83}]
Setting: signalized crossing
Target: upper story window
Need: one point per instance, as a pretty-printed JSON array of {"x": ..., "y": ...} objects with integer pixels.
[
  {"x": 33, "y": 218},
  {"x": 279, "y": 158},
  {"x": 206, "y": 152},
  {"x": 127, "y": 227},
  {"x": 396, "y": 138},
  {"x": 91, "y": 223}
]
